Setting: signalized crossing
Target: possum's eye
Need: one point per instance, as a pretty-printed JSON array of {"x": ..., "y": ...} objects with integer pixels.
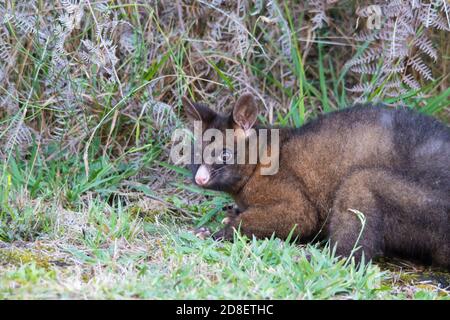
[{"x": 225, "y": 156}]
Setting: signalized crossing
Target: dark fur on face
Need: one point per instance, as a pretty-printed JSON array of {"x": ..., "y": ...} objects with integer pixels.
[
  {"x": 228, "y": 177},
  {"x": 392, "y": 165}
]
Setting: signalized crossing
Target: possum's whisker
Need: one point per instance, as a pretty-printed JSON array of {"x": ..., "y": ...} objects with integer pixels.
[{"x": 215, "y": 172}]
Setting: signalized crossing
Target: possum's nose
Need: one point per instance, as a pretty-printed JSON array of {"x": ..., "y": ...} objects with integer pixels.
[{"x": 202, "y": 175}]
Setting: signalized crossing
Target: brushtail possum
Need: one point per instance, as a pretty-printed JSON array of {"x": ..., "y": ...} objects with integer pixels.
[{"x": 391, "y": 165}]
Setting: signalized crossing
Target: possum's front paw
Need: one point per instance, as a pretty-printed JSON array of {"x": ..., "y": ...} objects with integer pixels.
[
  {"x": 231, "y": 211},
  {"x": 202, "y": 233},
  {"x": 224, "y": 234},
  {"x": 230, "y": 221},
  {"x": 232, "y": 214}
]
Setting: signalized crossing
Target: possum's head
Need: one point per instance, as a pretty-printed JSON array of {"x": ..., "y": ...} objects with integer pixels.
[{"x": 223, "y": 145}]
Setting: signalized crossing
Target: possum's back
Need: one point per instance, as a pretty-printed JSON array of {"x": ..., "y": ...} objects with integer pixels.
[
  {"x": 424, "y": 144},
  {"x": 409, "y": 143}
]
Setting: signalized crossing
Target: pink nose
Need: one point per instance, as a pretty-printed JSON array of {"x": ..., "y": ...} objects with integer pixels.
[
  {"x": 202, "y": 175},
  {"x": 201, "y": 180}
]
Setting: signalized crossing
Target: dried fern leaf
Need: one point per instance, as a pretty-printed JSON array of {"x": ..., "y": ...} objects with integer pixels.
[
  {"x": 426, "y": 46},
  {"x": 365, "y": 69},
  {"x": 276, "y": 14},
  {"x": 361, "y": 88},
  {"x": 409, "y": 80},
  {"x": 418, "y": 65},
  {"x": 19, "y": 134},
  {"x": 369, "y": 55}
]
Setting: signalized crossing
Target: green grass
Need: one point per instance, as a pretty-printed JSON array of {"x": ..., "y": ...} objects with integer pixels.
[
  {"x": 170, "y": 262},
  {"x": 65, "y": 236},
  {"x": 139, "y": 250}
]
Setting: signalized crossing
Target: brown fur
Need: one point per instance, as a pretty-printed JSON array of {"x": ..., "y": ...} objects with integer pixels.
[{"x": 391, "y": 165}]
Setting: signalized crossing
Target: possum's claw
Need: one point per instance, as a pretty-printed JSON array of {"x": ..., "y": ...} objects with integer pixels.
[
  {"x": 224, "y": 234},
  {"x": 231, "y": 211},
  {"x": 227, "y": 220},
  {"x": 202, "y": 233}
]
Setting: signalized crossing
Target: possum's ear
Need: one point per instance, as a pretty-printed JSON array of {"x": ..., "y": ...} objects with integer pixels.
[
  {"x": 197, "y": 111},
  {"x": 245, "y": 111}
]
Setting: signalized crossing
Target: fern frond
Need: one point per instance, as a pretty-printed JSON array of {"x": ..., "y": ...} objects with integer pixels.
[
  {"x": 361, "y": 88},
  {"x": 319, "y": 20},
  {"x": 19, "y": 134},
  {"x": 369, "y": 55},
  {"x": 384, "y": 33},
  {"x": 257, "y": 7},
  {"x": 395, "y": 92},
  {"x": 418, "y": 65},
  {"x": 9, "y": 102},
  {"x": 394, "y": 50},
  {"x": 445, "y": 8},
  {"x": 428, "y": 14},
  {"x": 394, "y": 84},
  {"x": 4, "y": 49},
  {"x": 441, "y": 24},
  {"x": 103, "y": 55},
  {"x": 276, "y": 14},
  {"x": 393, "y": 66},
  {"x": 23, "y": 23},
  {"x": 66, "y": 116},
  {"x": 365, "y": 69},
  {"x": 409, "y": 80},
  {"x": 72, "y": 6},
  {"x": 426, "y": 46},
  {"x": 401, "y": 32},
  {"x": 240, "y": 42}
]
